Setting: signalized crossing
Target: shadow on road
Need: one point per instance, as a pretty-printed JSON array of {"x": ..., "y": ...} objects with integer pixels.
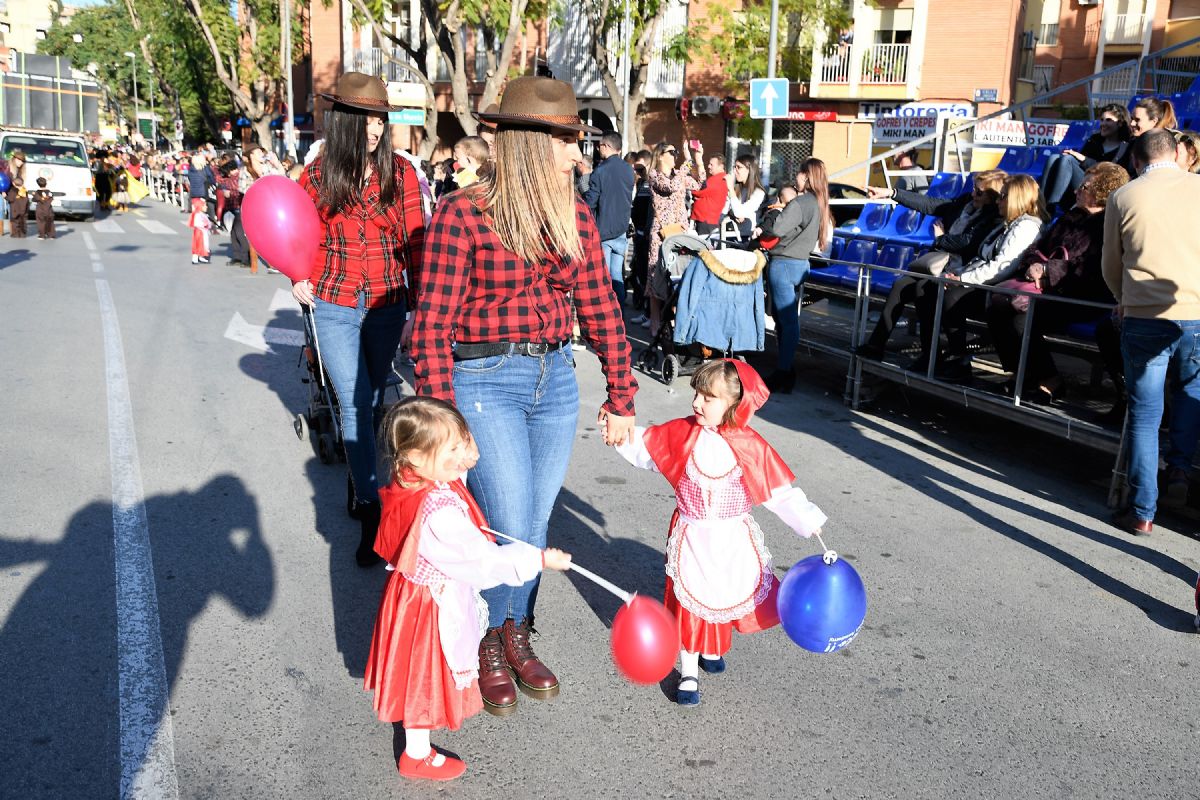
[
  {"x": 11, "y": 258},
  {"x": 960, "y": 490},
  {"x": 58, "y": 645}
]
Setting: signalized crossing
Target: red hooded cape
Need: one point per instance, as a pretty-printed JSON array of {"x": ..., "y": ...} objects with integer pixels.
[
  {"x": 400, "y": 521},
  {"x": 671, "y": 444}
]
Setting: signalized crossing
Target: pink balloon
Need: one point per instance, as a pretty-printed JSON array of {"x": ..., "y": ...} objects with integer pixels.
[
  {"x": 645, "y": 640},
  {"x": 282, "y": 224}
]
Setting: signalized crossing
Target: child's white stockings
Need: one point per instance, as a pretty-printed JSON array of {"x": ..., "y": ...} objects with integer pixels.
[{"x": 417, "y": 747}]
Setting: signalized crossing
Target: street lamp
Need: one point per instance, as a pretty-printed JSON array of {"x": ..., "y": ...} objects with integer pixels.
[
  {"x": 137, "y": 125},
  {"x": 153, "y": 116}
]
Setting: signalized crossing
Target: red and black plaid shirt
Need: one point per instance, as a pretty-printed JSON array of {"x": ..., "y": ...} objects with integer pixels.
[
  {"x": 363, "y": 249},
  {"x": 474, "y": 290}
]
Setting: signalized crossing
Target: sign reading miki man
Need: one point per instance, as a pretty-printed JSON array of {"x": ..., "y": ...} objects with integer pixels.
[{"x": 895, "y": 123}]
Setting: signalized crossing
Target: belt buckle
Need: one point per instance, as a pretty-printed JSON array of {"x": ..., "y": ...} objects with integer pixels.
[{"x": 537, "y": 348}]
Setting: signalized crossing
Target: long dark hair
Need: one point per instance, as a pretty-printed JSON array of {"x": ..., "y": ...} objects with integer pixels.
[
  {"x": 753, "y": 181},
  {"x": 344, "y": 158},
  {"x": 1122, "y": 114}
]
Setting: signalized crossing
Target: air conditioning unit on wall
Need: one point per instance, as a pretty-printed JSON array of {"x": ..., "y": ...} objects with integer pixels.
[
  {"x": 705, "y": 106},
  {"x": 1089, "y": 2}
]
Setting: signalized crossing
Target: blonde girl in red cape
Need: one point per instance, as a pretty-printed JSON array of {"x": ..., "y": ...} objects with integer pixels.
[
  {"x": 423, "y": 664},
  {"x": 719, "y": 572}
]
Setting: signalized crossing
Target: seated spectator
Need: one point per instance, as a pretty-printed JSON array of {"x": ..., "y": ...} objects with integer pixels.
[
  {"x": 1065, "y": 262},
  {"x": 906, "y": 162},
  {"x": 1024, "y": 215},
  {"x": 963, "y": 226},
  {"x": 1149, "y": 113},
  {"x": 1064, "y": 171},
  {"x": 1187, "y": 150}
]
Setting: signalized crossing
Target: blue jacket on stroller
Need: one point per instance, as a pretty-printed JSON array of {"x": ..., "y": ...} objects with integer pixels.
[{"x": 721, "y": 301}]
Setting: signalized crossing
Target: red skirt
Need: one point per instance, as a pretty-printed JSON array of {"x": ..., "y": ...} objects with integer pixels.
[
  {"x": 406, "y": 668},
  {"x": 715, "y": 638}
]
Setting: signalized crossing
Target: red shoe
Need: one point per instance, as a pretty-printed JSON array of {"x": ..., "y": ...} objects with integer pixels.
[{"x": 424, "y": 770}]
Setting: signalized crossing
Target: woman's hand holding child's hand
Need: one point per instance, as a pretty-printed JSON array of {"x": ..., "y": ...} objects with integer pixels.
[{"x": 556, "y": 559}]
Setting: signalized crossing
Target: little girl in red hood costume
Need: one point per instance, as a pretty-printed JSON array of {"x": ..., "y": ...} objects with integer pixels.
[
  {"x": 423, "y": 663},
  {"x": 719, "y": 573}
]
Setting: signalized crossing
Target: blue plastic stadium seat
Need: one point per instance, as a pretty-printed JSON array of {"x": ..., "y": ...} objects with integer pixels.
[
  {"x": 903, "y": 223},
  {"x": 895, "y": 256},
  {"x": 837, "y": 247},
  {"x": 859, "y": 251},
  {"x": 1018, "y": 160},
  {"x": 946, "y": 185},
  {"x": 1077, "y": 134},
  {"x": 872, "y": 218}
]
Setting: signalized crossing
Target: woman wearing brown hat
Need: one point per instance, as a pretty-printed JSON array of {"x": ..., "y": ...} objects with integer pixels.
[
  {"x": 508, "y": 261},
  {"x": 369, "y": 201}
]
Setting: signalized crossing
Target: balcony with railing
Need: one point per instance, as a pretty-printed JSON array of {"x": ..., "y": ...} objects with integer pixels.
[
  {"x": 1126, "y": 29},
  {"x": 875, "y": 70}
]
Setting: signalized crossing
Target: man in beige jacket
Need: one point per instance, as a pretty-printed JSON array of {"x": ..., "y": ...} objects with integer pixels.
[{"x": 1152, "y": 265}]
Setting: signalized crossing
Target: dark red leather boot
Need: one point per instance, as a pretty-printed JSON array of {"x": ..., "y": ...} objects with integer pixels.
[
  {"x": 535, "y": 678},
  {"x": 495, "y": 683}
]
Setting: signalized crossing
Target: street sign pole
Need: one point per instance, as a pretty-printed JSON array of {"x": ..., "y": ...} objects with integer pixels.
[
  {"x": 768, "y": 123},
  {"x": 628, "y": 34},
  {"x": 289, "y": 116}
]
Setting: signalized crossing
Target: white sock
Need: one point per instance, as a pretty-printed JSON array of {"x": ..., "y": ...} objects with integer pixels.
[
  {"x": 689, "y": 667},
  {"x": 417, "y": 747},
  {"x": 707, "y": 657}
]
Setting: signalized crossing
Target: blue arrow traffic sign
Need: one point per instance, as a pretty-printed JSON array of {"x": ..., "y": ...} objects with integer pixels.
[{"x": 768, "y": 98}]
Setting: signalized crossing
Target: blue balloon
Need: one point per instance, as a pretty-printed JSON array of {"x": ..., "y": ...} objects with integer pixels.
[
  {"x": 822, "y": 606},
  {"x": 5, "y": 182}
]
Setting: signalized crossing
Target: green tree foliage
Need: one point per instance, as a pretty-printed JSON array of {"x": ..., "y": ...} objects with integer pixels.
[
  {"x": 168, "y": 54},
  {"x": 737, "y": 37}
]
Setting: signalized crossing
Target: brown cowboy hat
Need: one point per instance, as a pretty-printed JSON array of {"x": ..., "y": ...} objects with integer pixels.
[
  {"x": 359, "y": 90},
  {"x": 540, "y": 103}
]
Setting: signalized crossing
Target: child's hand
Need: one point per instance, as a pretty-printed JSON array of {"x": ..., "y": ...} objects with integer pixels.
[
  {"x": 556, "y": 559},
  {"x": 817, "y": 532}
]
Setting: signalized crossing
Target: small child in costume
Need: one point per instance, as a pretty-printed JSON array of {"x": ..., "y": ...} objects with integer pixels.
[
  {"x": 43, "y": 205},
  {"x": 424, "y": 659},
  {"x": 18, "y": 208},
  {"x": 200, "y": 225},
  {"x": 719, "y": 571},
  {"x": 121, "y": 195}
]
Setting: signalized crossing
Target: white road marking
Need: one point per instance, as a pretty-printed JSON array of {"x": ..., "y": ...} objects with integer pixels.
[
  {"x": 260, "y": 337},
  {"x": 154, "y": 226},
  {"x": 89, "y": 241},
  {"x": 283, "y": 301},
  {"x": 107, "y": 226},
  {"x": 147, "y": 739}
]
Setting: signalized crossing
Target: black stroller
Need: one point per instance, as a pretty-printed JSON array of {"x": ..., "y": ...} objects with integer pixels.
[
  {"x": 322, "y": 421},
  {"x": 716, "y": 307}
]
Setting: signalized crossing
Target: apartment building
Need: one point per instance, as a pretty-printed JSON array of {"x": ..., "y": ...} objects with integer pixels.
[{"x": 561, "y": 45}]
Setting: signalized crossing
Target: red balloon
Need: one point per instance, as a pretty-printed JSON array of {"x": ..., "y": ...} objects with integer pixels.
[
  {"x": 282, "y": 224},
  {"x": 645, "y": 640}
]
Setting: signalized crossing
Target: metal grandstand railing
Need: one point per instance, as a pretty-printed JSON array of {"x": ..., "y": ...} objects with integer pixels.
[{"x": 1158, "y": 72}]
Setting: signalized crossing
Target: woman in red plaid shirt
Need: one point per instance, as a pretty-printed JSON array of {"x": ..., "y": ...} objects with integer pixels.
[
  {"x": 508, "y": 262},
  {"x": 370, "y": 206}
]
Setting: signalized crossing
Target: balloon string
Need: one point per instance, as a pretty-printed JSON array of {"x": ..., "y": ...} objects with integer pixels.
[{"x": 618, "y": 591}]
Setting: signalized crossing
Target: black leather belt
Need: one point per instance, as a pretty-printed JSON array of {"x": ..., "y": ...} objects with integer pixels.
[{"x": 464, "y": 351}]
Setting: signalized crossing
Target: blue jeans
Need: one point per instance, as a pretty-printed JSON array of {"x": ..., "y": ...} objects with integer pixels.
[
  {"x": 1155, "y": 349},
  {"x": 784, "y": 277},
  {"x": 1062, "y": 176},
  {"x": 357, "y": 346},
  {"x": 614, "y": 255},
  {"x": 523, "y": 412}
]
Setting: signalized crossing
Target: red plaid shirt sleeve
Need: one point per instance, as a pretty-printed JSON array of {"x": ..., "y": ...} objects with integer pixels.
[
  {"x": 367, "y": 247},
  {"x": 474, "y": 290}
]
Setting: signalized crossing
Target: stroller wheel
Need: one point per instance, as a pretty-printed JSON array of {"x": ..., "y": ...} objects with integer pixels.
[
  {"x": 325, "y": 450},
  {"x": 300, "y": 424},
  {"x": 670, "y": 369}
]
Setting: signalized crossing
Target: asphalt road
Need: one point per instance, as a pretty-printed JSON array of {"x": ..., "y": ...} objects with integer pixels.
[{"x": 1016, "y": 645}]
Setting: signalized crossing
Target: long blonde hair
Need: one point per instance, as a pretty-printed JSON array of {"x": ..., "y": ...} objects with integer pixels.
[
  {"x": 531, "y": 210},
  {"x": 1024, "y": 197}
]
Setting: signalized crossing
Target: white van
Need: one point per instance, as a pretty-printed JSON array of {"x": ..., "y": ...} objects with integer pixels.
[{"x": 62, "y": 160}]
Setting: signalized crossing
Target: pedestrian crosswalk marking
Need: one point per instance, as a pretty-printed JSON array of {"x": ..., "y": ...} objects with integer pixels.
[
  {"x": 107, "y": 226},
  {"x": 154, "y": 226}
]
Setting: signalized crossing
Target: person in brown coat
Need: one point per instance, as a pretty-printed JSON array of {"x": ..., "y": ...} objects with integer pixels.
[
  {"x": 43, "y": 200},
  {"x": 18, "y": 205}
]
